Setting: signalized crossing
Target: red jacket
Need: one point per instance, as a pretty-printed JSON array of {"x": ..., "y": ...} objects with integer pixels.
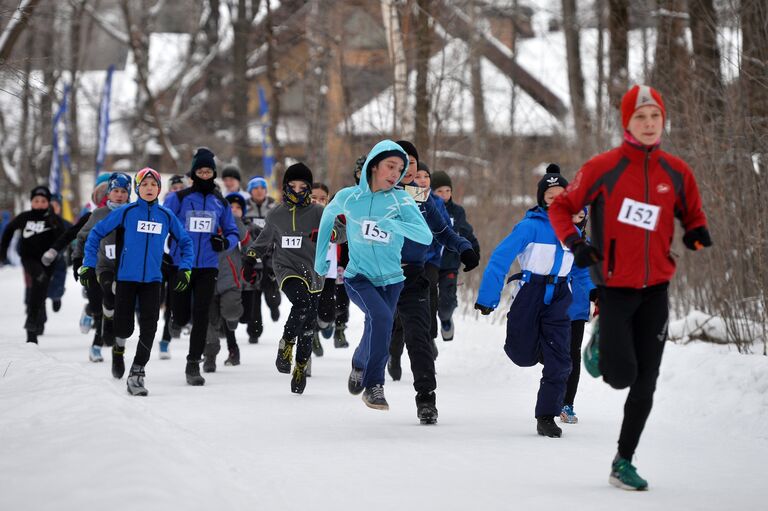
[{"x": 635, "y": 195}]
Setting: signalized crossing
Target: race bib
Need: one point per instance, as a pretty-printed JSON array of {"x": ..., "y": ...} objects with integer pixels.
[
  {"x": 109, "y": 250},
  {"x": 372, "y": 232},
  {"x": 418, "y": 193},
  {"x": 291, "y": 242},
  {"x": 148, "y": 227},
  {"x": 201, "y": 221},
  {"x": 260, "y": 222},
  {"x": 200, "y": 224},
  {"x": 639, "y": 214}
]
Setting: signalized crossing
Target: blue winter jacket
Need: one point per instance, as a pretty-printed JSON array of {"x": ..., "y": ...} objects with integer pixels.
[
  {"x": 377, "y": 223},
  {"x": 581, "y": 285},
  {"x": 435, "y": 252},
  {"x": 203, "y": 216},
  {"x": 142, "y": 228},
  {"x": 440, "y": 224},
  {"x": 451, "y": 260},
  {"x": 537, "y": 249}
]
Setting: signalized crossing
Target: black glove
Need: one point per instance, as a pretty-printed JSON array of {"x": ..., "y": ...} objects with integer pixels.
[
  {"x": 77, "y": 262},
  {"x": 182, "y": 280},
  {"x": 593, "y": 294},
  {"x": 87, "y": 276},
  {"x": 219, "y": 243},
  {"x": 166, "y": 267},
  {"x": 483, "y": 309},
  {"x": 697, "y": 238},
  {"x": 470, "y": 259},
  {"x": 584, "y": 254}
]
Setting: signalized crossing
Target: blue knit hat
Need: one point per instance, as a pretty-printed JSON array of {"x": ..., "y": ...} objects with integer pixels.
[
  {"x": 119, "y": 180},
  {"x": 257, "y": 182}
]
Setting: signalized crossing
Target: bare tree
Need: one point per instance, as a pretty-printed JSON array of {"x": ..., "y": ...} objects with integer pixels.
[
  {"x": 423, "y": 52},
  {"x": 480, "y": 131},
  {"x": 575, "y": 76},
  {"x": 15, "y": 27},
  {"x": 708, "y": 88},
  {"x": 275, "y": 86},
  {"x": 599, "y": 115},
  {"x": 618, "y": 26},
  {"x": 242, "y": 23},
  {"x": 672, "y": 60},
  {"x": 316, "y": 85},
  {"x": 402, "y": 113}
]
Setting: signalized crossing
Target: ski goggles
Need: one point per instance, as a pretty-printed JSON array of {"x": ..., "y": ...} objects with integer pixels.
[{"x": 143, "y": 173}]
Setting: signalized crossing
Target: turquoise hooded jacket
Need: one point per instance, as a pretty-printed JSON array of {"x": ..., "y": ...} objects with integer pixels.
[{"x": 377, "y": 223}]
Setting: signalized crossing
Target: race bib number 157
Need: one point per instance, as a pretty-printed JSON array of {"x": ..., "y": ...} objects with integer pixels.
[
  {"x": 639, "y": 214},
  {"x": 149, "y": 227}
]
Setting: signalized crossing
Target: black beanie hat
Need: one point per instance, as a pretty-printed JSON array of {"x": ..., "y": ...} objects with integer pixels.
[
  {"x": 298, "y": 172},
  {"x": 231, "y": 171},
  {"x": 423, "y": 166},
  {"x": 42, "y": 191},
  {"x": 203, "y": 157},
  {"x": 175, "y": 180},
  {"x": 409, "y": 148},
  {"x": 551, "y": 179},
  {"x": 235, "y": 197},
  {"x": 439, "y": 179}
]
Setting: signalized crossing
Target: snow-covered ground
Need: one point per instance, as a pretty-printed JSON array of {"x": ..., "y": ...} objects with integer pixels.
[{"x": 71, "y": 438}]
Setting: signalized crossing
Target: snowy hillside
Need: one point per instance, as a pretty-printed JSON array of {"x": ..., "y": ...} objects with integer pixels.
[{"x": 72, "y": 439}]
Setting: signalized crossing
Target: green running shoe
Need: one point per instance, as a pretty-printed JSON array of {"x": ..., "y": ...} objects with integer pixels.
[
  {"x": 624, "y": 475},
  {"x": 592, "y": 353}
]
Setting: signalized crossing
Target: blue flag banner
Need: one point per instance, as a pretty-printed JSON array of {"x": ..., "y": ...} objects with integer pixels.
[
  {"x": 59, "y": 154},
  {"x": 268, "y": 157},
  {"x": 106, "y": 95}
]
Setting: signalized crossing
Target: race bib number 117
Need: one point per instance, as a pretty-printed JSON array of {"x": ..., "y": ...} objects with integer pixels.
[{"x": 639, "y": 214}]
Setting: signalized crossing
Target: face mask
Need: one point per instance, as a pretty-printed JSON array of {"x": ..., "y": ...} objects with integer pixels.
[
  {"x": 203, "y": 185},
  {"x": 297, "y": 199}
]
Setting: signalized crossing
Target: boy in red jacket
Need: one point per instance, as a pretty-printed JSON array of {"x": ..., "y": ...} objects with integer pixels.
[{"x": 636, "y": 191}]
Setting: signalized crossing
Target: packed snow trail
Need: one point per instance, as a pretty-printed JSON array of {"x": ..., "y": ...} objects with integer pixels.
[{"x": 71, "y": 438}]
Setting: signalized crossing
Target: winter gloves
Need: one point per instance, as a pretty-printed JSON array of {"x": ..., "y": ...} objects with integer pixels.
[
  {"x": 49, "y": 257},
  {"x": 483, "y": 309},
  {"x": 77, "y": 262},
  {"x": 219, "y": 243},
  {"x": 87, "y": 276},
  {"x": 470, "y": 259},
  {"x": 584, "y": 254},
  {"x": 697, "y": 238},
  {"x": 251, "y": 267},
  {"x": 182, "y": 280}
]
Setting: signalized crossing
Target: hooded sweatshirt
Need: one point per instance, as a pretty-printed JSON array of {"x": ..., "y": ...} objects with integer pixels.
[{"x": 377, "y": 225}]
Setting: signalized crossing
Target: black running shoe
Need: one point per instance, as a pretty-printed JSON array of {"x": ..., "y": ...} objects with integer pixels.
[
  {"x": 355, "y": 381},
  {"x": 118, "y": 364},
  {"x": 299, "y": 378},
  {"x": 394, "y": 368},
  {"x": 192, "y": 372},
  {"x": 426, "y": 410},
  {"x": 284, "y": 356}
]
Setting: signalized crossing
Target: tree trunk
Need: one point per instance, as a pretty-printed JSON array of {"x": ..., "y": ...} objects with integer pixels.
[
  {"x": 275, "y": 87},
  {"x": 754, "y": 66},
  {"x": 213, "y": 76},
  {"x": 480, "y": 132},
  {"x": 75, "y": 152},
  {"x": 599, "y": 115},
  {"x": 239, "y": 98},
  {"x": 402, "y": 114},
  {"x": 576, "y": 77},
  {"x": 706, "y": 58},
  {"x": 423, "y": 52},
  {"x": 618, "y": 26},
  {"x": 15, "y": 26},
  {"x": 316, "y": 86},
  {"x": 672, "y": 61}
]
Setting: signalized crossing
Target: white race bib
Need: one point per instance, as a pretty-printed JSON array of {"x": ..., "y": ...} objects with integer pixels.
[
  {"x": 109, "y": 250},
  {"x": 372, "y": 232},
  {"x": 200, "y": 224},
  {"x": 639, "y": 214},
  {"x": 148, "y": 227},
  {"x": 260, "y": 222},
  {"x": 291, "y": 242}
]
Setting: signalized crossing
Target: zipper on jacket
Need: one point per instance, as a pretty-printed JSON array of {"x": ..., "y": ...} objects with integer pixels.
[
  {"x": 373, "y": 243},
  {"x": 146, "y": 246},
  {"x": 611, "y": 258},
  {"x": 647, "y": 233}
]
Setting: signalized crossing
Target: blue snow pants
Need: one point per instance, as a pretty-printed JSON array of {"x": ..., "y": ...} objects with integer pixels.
[
  {"x": 58, "y": 279},
  {"x": 379, "y": 305},
  {"x": 537, "y": 332}
]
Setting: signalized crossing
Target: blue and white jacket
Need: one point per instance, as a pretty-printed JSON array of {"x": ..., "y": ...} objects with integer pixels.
[
  {"x": 537, "y": 249},
  {"x": 142, "y": 229},
  {"x": 440, "y": 225},
  {"x": 203, "y": 216}
]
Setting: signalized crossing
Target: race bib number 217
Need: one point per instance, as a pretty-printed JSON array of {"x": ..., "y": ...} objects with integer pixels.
[{"x": 149, "y": 227}]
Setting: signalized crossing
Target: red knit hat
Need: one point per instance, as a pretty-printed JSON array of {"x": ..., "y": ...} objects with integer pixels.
[{"x": 639, "y": 96}]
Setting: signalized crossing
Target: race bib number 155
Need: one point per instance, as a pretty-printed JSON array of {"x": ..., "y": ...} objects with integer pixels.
[
  {"x": 149, "y": 227},
  {"x": 639, "y": 214},
  {"x": 372, "y": 232}
]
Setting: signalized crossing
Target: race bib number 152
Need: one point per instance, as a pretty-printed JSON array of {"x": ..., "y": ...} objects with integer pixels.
[
  {"x": 149, "y": 227},
  {"x": 639, "y": 214}
]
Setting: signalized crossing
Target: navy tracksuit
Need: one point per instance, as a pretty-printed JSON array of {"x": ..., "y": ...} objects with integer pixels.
[{"x": 538, "y": 326}]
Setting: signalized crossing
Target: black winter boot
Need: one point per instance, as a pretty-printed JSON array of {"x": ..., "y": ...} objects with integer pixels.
[{"x": 192, "y": 371}]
